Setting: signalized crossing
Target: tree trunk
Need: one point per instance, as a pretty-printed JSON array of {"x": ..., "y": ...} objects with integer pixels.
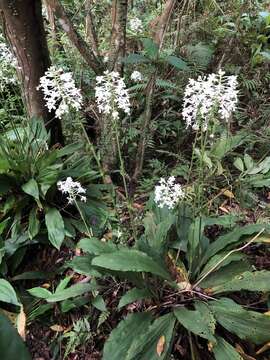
[
  {"x": 23, "y": 25},
  {"x": 118, "y": 38}
]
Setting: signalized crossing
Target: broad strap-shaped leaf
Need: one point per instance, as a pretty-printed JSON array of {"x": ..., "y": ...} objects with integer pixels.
[
  {"x": 34, "y": 224},
  {"x": 134, "y": 295},
  {"x": 11, "y": 344},
  {"x": 233, "y": 237},
  {"x": 200, "y": 321},
  {"x": 55, "y": 226},
  {"x": 122, "y": 337},
  {"x": 82, "y": 265},
  {"x": 246, "y": 324},
  {"x": 95, "y": 246},
  {"x": 130, "y": 260},
  {"x": 40, "y": 292},
  {"x": 252, "y": 281},
  {"x": 195, "y": 244},
  {"x": 72, "y": 291},
  {"x": 144, "y": 346},
  {"x": 7, "y": 293},
  {"x": 31, "y": 188},
  {"x": 221, "y": 260},
  {"x": 225, "y": 274},
  {"x": 225, "y": 351},
  {"x": 156, "y": 232}
]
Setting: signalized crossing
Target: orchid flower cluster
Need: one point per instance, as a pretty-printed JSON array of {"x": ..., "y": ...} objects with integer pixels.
[
  {"x": 111, "y": 94},
  {"x": 136, "y": 25},
  {"x": 168, "y": 193},
  {"x": 8, "y": 64},
  {"x": 215, "y": 94},
  {"x": 136, "y": 76},
  {"x": 60, "y": 92},
  {"x": 73, "y": 188}
]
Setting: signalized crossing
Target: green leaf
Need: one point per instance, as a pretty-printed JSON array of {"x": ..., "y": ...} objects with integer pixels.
[
  {"x": 251, "y": 281},
  {"x": 40, "y": 292},
  {"x": 82, "y": 265},
  {"x": 130, "y": 260},
  {"x": 99, "y": 303},
  {"x": 31, "y": 188},
  {"x": 55, "y": 226},
  {"x": 134, "y": 295},
  {"x": 95, "y": 246},
  {"x": 122, "y": 337},
  {"x": 72, "y": 291},
  {"x": 223, "y": 260},
  {"x": 224, "y": 351},
  {"x": 156, "y": 232},
  {"x": 249, "y": 163},
  {"x": 225, "y": 274},
  {"x": 200, "y": 321},
  {"x": 195, "y": 236},
  {"x": 6, "y": 183},
  {"x": 135, "y": 59},
  {"x": 150, "y": 48},
  {"x": 238, "y": 163},
  {"x": 144, "y": 346},
  {"x": 227, "y": 143},
  {"x": 177, "y": 62},
  {"x": 233, "y": 237},
  {"x": 63, "y": 284},
  {"x": 34, "y": 224},
  {"x": 248, "y": 325},
  {"x": 7, "y": 293},
  {"x": 11, "y": 344},
  {"x": 263, "y": 167}
]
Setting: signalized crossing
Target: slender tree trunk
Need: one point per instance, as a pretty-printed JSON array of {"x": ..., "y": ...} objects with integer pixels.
[
  {"x": 91, "y": 34},
  {"x": 118, "y": 38},
  {"x": 23, "y": 26},
  {"x": 86, "y": 52}
]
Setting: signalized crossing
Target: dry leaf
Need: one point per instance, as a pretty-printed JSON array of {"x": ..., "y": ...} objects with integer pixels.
[
  {"x": 228, "y": 193},
  {"x": 46, "y": 286},
  {"x": 160, "y": 345},
  {"x": 57, "y": 328},
  {"x": 222, "y": 208},
  {"x": 21, "y": 323}
]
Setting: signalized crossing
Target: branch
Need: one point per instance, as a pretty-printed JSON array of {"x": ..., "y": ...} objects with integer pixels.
[
  {"x": 91, "y": 33},
  {"x": 67, "y": 26}
]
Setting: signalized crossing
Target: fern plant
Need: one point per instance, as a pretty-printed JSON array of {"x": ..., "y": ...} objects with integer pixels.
[{"x": 188, "y": 282}]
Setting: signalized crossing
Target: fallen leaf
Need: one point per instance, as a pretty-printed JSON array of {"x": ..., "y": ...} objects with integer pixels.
[
  {"x": 57, "y": 328},
  {"x": 21, "y": 323},
  {"x": 46, "y": 286},
  {"x": 228, "y": 193},
  {"x": 222, "y": 208},
  {"x": 160, "y": 345}
]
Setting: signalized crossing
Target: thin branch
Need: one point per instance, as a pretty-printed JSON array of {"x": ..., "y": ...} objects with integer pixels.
[{"x": 88, "y": 55}]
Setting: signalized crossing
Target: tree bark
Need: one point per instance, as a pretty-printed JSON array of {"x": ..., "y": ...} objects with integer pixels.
[
  {"x": 23, "y": 26},
  {"x": 118, "y": 38},
  {"x": 87, "y": 54}
]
